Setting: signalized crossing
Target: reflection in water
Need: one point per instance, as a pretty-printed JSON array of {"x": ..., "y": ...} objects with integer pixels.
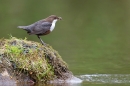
[
  {"x": 106, "y": 78},
  {"x": 60, "y": 84},
  {"x": 74, "y": 81},
  {"x": 89, "y": 78}
]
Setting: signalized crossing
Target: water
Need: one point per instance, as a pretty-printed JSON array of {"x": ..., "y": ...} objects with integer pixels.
[
  {"x": 93, "y": 37},
  {"x": 106, "y": 78},
  {"x": 96, "y": 80},
  {"x": 93, "y": 80}
]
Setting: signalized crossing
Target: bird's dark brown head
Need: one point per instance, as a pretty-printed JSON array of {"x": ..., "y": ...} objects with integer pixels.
[{"x": 53, "y": 17}]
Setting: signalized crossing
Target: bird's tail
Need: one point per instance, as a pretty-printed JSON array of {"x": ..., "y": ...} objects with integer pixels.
[{"x": 23, "y": 27}]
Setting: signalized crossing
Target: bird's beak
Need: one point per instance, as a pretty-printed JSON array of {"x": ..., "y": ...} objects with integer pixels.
[{"x": 59, "y": 18}]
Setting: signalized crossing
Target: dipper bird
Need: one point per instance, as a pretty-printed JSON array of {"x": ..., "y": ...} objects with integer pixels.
[{"x": 42, "y": 27}]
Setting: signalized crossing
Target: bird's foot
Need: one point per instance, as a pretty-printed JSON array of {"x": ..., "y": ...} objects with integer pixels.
[{"x": 43, "y": 43}]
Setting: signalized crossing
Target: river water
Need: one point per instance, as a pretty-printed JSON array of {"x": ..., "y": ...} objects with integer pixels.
[
  {"x": 93, "y": 80},
  {"x": 93, "y": 37}
]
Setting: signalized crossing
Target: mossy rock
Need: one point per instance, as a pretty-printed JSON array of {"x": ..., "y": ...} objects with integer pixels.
[{"x": 27, "y": 58}]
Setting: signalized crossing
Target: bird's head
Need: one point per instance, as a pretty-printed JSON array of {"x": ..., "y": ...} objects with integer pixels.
[{"x": 53, "y": 17}]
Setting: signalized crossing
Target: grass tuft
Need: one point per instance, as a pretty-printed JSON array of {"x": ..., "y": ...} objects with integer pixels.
[{"x": 39, "y": 62}]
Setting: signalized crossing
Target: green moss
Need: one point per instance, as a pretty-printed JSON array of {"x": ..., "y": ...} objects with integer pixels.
[{"x": 37, "y": 60}]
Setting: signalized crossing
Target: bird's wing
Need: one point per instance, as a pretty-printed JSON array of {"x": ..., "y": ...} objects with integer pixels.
[{"x": 41, "y": 27}]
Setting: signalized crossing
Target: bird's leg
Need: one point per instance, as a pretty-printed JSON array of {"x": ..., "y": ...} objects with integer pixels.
[{"x": 41, "y": 40}]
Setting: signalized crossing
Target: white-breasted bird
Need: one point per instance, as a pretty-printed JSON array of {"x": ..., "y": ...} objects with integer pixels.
[{"x": 42, "y": 27}]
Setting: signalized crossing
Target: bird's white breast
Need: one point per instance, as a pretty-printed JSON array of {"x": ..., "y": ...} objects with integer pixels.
[{"x": 53, "y": 25}]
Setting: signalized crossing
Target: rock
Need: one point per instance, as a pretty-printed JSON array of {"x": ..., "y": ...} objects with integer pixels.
[{"x": 24, "y": 60}]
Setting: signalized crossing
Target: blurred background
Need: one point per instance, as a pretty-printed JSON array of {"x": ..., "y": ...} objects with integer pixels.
[{"x": 93, "y": 37}]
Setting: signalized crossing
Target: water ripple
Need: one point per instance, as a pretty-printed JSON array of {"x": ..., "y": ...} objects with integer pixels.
[{"x": 106, "y": 78}]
